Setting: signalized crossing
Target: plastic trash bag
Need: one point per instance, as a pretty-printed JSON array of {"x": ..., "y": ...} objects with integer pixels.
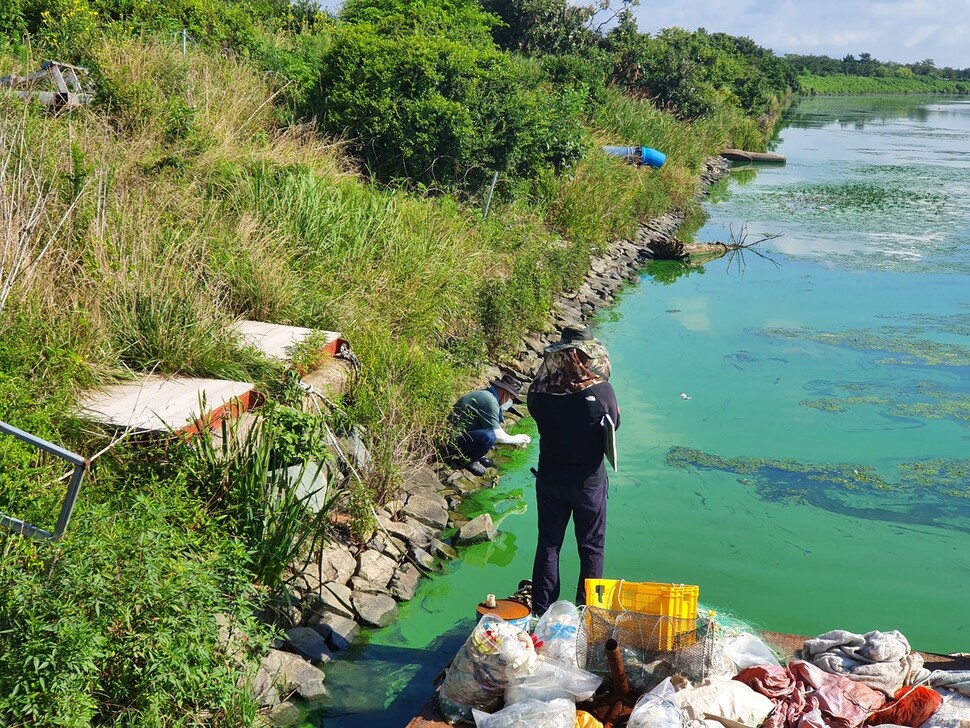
[
  {"x": 954, "y": 713},
  {"x": 747, "y": 650},
  {"x": 557, "y": 629},
  {"x": 559, "y": 713},
  {"x": 657, "y": 709},
  {"x": 729, "y": 699},
  {"x": 553, "y": 679},
  {"x": 494, "y": 653}
]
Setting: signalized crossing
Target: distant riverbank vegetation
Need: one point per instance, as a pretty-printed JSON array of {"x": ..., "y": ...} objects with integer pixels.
[
  {"x": 867, "y": 75},
  {"x": 261, "y": 159}
]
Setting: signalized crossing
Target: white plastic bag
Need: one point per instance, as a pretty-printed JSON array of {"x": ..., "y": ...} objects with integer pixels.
[
  {"x": 656, "y": 709},
  {"x": 559, "y": 713},
  {"x": 552, "y": 679},
  {"x": 494, "y": 653},
  {"x": 557, "y": 630},
  {"x": 727, "y": 698},
  {"x": 954, "y": 713},
  {"x": 747, "y": 650}
]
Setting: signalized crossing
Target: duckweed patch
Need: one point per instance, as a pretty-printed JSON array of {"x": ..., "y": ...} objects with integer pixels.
[
  {"x": 905, "y": 350},
  {"x": 859, "y": 196},
  {"x": 922, "y": 400},
  {"x": 957, "y": 324},
  {"x": 929, "y": 493}
]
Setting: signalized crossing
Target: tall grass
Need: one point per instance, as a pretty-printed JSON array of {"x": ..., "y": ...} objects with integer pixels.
[{"x": 244, "y": 481}]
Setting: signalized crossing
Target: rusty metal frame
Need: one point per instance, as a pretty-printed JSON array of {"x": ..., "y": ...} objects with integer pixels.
[{"x": 67, "y": 508}]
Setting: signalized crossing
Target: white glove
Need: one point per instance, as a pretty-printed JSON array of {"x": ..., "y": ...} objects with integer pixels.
[{"x": 522, "y": 440}]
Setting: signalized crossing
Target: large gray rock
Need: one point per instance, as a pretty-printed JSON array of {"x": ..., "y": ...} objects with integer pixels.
[
  {"x": 338, "y": 564},
  {"x": 261, "y": 687},
  {"x": 376, "y": 610},
  {"x": 431, "y": 495},
  {"x": 403, "y": 531},
  {"x": 232, "y": 640},
  {"x": 422, "y": 478},
  {"x": 341, "y": 632},
  {"x": 393, "y": 505},
  {"x": 405, "y": 582},
  {"x": 308, "y": 643},
  {"x": 334, "y": 598},
  {"x": 311, "y": 484},
  {"x": 422, "y": 534},
  {"x": 281, "y": 611},
  {"x": 353, "y": 447},
  {"x": 422, "y": 558},
  {"x": 441, "y": 550},
  {"x": 465, "y": 483},
  {"x": 292, "y": 673},
  {"x": 284, "y": 715},
  {"x": 362, "y": 585},
  {"x": 429, "y": 512},
  {"x": 375, "y": 567},
  {"x": 392, "y": 547},
  {"x": 477, "y": 530}
]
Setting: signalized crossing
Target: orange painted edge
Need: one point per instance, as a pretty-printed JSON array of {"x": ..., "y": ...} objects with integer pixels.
[{"x": 231, "y": 409}]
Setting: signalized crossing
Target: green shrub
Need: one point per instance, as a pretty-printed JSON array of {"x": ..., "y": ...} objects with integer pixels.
[
  {"x": 437, "y": 111},
  {"x": 117, "y": 623}
]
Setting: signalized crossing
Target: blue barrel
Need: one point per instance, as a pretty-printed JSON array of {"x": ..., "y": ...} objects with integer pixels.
[{"x": 652, "y": 158}]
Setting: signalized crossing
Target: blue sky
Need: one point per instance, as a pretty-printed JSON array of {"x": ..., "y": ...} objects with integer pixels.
[{"x": 904, "y": 31}]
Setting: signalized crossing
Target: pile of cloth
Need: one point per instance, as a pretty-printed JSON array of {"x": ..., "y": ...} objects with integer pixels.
[{"x": 847, "y": 680}]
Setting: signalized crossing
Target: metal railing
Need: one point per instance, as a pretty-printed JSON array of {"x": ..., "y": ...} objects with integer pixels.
[{"x": 74, "y": 486}]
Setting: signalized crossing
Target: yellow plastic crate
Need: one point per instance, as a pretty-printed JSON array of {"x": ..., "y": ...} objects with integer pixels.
[{"x": 675, "y": 606}]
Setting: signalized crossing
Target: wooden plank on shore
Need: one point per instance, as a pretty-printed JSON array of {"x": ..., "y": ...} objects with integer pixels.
[
  {"x": 276, "y": 341},
  {"x": 740, "y": 155},
  {"x": 155, "y": 404}
]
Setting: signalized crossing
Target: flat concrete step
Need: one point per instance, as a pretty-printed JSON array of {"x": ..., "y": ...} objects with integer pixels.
[
  {"x": 159, "y": 404},
  {"x": 276, "y": 341}
]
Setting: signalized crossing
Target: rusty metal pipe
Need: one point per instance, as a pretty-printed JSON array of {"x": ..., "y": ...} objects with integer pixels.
[{"x": 621, "y": 686}]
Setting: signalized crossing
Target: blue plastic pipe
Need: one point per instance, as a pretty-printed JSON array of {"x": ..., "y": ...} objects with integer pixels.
[{"x": 638, "y": 155}]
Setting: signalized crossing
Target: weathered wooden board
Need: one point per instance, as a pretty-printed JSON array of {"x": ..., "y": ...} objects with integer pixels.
[{"x": 741, "y": 155}]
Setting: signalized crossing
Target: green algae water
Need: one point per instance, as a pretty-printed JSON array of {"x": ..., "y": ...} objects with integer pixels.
[{"x": 796, "y": 428}]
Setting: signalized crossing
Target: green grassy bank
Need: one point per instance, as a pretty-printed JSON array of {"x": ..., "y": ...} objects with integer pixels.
[
  {"x": 181, "y": 201},
  {"x": 841, "y": 84}
]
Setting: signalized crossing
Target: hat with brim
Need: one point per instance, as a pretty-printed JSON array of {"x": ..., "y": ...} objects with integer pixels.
[
  {"x": 572, "y": 337},
  {"x": 510, "y": 384}
]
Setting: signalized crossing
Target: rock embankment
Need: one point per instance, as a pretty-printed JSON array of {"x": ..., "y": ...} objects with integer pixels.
[{"x": 347, "y": 586}]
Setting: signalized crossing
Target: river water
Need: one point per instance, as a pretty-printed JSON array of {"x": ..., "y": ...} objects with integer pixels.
[{"x": 796, "y": 424}]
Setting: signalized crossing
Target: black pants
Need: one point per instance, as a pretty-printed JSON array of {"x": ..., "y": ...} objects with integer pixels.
[{"x": 586, "y": 504}]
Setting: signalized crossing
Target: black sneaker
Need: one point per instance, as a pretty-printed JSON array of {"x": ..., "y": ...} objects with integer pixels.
[
  {"x": 487, "y": 461},
  {"x": 476, "y": 468}
]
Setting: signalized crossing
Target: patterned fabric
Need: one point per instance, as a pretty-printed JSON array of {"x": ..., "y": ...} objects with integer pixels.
[{"x": 572, "y": 369}]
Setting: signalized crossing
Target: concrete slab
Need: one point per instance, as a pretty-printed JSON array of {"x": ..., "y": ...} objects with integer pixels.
[
  {"x": 274, "y": 340},
  {"x": 158, "y": 404}
]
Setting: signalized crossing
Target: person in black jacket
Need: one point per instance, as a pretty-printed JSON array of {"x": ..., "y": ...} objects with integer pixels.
[{"x": 569, "y": 399}]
